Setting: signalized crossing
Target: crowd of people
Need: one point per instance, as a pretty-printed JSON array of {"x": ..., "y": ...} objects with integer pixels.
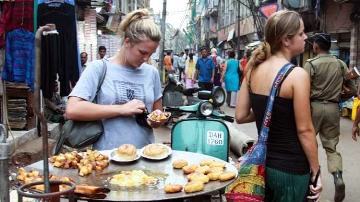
[
  {"x": 208, "y": 70},
  {"x": 307, "y": 103}
]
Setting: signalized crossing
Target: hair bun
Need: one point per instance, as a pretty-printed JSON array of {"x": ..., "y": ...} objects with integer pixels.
[
  {"x": 261, "y": 53},
  {"x": 132, "y": 17}
]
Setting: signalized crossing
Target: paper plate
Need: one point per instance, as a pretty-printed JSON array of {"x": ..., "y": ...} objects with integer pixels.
[
  {"x": 168, "y": 153},
  {"x": 117, "y": 158}
]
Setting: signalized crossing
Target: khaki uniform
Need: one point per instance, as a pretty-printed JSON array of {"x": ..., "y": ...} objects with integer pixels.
[{"x": 327, "y": 76}]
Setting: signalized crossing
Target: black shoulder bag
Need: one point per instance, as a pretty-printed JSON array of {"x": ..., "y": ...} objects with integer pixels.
[{"x": 80, "y": 134}]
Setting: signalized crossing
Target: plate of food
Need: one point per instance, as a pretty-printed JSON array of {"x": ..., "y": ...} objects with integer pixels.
[
  {"x": 159, "y": 116},
  {"x": 125, "y": 153},
  {"x": 156, "y": 151}
]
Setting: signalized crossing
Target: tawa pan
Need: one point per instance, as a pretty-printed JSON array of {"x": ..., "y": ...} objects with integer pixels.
[{"x": 161, "y": 169}]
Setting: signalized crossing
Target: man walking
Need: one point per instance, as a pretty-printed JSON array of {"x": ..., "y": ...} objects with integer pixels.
[
  {"x": 205, "y": 70},
  {"x": 327, "y": 74},
  {"x": 181, "y": 64}
]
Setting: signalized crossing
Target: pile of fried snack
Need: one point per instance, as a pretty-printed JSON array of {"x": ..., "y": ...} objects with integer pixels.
[
  {"x": 84, "y": 190},
  {"x": 86, "y": 162},
  {"x": 199, "y": 175},
  {"x": 33, "y": 176}
]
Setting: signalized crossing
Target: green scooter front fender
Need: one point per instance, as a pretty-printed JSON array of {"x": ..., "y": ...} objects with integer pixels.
[{"x": 206, "y": 136}]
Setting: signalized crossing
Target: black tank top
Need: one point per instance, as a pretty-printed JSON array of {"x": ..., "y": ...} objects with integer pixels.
[{"x": 284, "y": 151}]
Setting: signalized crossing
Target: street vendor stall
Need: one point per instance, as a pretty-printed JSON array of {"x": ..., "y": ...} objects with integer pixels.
[{"x": 162, "y": 170}]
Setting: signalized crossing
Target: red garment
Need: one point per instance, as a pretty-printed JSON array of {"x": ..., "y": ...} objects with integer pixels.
[
  {"x": 16, "y": 14},
  {"x": 243, "y": 64}
]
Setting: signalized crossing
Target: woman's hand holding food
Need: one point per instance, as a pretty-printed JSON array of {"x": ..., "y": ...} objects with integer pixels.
[{"x": 133, "y": 107}]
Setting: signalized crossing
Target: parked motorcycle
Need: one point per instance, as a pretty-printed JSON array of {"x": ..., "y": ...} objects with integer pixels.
[{"x": 174, "y": 95}]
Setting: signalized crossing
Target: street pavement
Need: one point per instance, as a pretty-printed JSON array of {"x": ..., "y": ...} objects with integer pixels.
[{"x": 349, "y": 149}]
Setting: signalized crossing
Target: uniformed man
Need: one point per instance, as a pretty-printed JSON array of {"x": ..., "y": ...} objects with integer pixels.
[{"x": 327, "y": 78}]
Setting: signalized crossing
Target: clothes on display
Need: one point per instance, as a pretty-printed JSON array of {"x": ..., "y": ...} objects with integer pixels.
[
  {"x": 64, "y": 59},
  {"x": 19, "y": 57},
  {"x": 14, "y": 15},
  {"x": 50, "y": 63}
]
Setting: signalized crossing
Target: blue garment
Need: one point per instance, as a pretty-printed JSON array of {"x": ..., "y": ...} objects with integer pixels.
[
  {"x": 19, "y": 57},
  {"x": 205, "y": 66},
  {"x": 231, "y": 77}
]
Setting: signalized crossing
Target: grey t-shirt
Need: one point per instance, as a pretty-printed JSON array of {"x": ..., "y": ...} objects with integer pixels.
[{"x": 121, "y": 85}]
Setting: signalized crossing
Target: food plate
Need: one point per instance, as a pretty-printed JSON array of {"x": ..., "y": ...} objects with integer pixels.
[
  {"x": 115, "y": 157},
  {"x": 158, "y": 157}
]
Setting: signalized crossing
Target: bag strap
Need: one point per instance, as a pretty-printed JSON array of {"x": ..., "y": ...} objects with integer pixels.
[
  {"x": 282, "y": 74},
  {"x": 101, "y": 80}
]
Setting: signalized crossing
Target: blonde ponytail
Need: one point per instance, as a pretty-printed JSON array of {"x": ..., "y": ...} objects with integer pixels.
[{"x": 138, "y": 25}]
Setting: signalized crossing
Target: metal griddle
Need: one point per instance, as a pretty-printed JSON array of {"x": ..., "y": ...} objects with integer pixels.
[{"x": 161, "y": 168}]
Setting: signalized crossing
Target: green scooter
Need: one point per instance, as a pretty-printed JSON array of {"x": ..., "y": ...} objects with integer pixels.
[{"x": 204, "y": 130}]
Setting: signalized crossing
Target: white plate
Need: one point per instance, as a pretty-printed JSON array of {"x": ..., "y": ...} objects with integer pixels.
[
  {"x": 115, "y": 157},
  {"x": 156, "y": 158}
]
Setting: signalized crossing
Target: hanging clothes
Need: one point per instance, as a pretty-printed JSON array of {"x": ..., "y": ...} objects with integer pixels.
[
  {"x": 16, "y": 14},
  {"x": 63, "y": 16},
  {"x": 50, "y": 63},
  {"x": 19, "y": 57}
]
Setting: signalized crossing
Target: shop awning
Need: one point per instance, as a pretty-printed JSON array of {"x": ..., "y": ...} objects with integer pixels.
[{"x": 231, "y": 35}]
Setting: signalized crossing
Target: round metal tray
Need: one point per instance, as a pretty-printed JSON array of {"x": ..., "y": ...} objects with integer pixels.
[{"x": 162, "y": 168}]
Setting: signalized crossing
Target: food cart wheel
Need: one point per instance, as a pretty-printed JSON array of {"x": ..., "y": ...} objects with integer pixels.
[{"x": 23, "y": 191}]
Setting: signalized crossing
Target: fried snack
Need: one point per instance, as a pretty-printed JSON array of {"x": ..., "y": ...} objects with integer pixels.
[
  {"x": 127, "y": 152},
  {"x": 89, "y": 190},
  {"x": 33, "y": 176},
  {"x": 194, "y": 186},
  {"x": 203, "y": 169},
  {"x": 198, "y": 177},
  {"x": 66, "y": 160},
  {"x": 180, "y": 163},
  {"x": 217, "y": 164},
  {"x": 216, "y": 170},
  {"x": 189, "y": 169},
  {"x": 159, "y": 116},
  {"x": 155, "y": 150},
  {"x": 173, "y": 188},
  {"x": 27, "y": 177},
  {"x": 227, "y": 176},
  {"x": 92, "y": 160},
  {"x": 206, "y": 162},
  {"x": 85, "y": 162},
  {"x": 132, "y": 178},
  {"x": 214, "y": 176}
]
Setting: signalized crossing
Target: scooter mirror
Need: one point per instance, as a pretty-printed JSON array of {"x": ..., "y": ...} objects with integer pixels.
[
  {"x": 218, "y": 96},
  {"x": 172, "y": 78}
]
